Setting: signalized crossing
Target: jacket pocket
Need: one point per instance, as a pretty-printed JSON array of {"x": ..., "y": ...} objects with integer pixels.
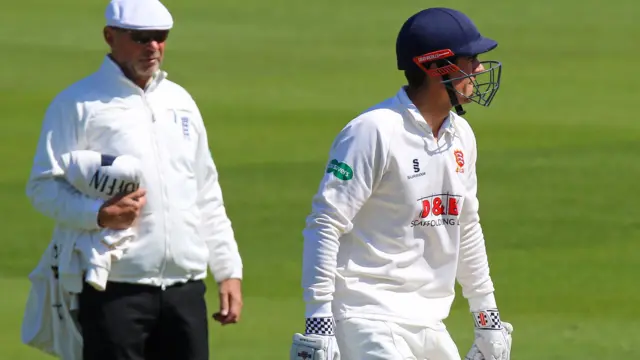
[{"x": 192, "y": 252}]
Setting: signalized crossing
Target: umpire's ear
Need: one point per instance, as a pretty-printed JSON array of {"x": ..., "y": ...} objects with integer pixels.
[{"x": 108, "y": 35}]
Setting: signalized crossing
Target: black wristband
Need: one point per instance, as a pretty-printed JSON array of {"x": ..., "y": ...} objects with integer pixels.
[
  {"x": 487, "y": 319},
  {"x": 320, "y": 326}
]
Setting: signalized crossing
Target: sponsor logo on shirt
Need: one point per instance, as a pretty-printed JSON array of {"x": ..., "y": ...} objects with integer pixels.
[
  {"x": 438, "y": 210},
  {"x": 340, "y": 170},
  {"x": 409, "y": 177},
  {"x": 416, "y": 170}
]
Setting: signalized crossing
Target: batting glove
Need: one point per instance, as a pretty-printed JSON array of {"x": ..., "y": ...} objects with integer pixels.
[
  {"x": 492, "y": 337},
  {"x": 317, "y": 343}
]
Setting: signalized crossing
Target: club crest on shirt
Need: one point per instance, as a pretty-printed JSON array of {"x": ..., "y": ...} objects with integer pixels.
[{"x": 459, "y": 155}]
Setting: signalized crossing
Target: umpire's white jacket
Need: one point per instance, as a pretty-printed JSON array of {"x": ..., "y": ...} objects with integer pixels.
[{"x": 184, "y": 226}]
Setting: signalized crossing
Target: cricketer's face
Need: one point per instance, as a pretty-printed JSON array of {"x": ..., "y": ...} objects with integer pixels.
[
  {"x": 139, "y": 52},
  {"x": 465, "y": 86}
]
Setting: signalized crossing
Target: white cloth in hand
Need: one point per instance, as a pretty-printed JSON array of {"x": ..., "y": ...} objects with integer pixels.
[
  {"x": 97, "y": 255},
  {"x": 117, "y": 239},
  {"x": 101, "y": 176}
]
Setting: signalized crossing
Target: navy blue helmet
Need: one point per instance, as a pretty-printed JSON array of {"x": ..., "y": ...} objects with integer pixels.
[{"x": 440, "y": 35}]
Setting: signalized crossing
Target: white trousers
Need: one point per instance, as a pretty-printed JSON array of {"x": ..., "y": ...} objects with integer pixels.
[{"x": 362, "y": 339}]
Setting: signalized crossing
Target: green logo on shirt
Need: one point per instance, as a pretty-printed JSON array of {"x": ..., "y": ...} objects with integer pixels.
[{"x": 340, "y": 170}]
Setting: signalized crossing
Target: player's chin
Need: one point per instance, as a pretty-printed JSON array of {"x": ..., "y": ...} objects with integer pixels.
[
  {"x": 464, "y": 99},
  {"x": 147, "y": 68}
]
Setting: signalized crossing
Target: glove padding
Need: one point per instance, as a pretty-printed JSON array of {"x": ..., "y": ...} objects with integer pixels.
[
  {"x": 492, "y": 337},
  {"x": 317, "y": 343},
  {"x": 314, "y": 347}
]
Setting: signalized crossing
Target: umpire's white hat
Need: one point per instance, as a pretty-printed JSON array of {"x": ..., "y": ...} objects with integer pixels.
[{"x": 138, "y": 15}]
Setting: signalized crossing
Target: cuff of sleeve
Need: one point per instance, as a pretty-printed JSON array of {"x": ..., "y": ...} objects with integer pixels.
[
  {"x": 318, "y": 310},
  {"x": 89, "y": 218},
  {"x": 320, "y": 326},
  {"x": 482, "y": 302},
  {"x": 234, "y": 273}
]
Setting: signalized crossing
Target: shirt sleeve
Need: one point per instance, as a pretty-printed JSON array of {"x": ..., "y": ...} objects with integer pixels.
[
  {"x": 216, "y": 228},
  {"x": 473, "y": 266},
  {"x": 61, "y": 132},
  {"x": 356, "y": 163}
]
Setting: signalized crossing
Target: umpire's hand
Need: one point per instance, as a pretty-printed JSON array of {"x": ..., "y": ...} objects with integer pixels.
[
  {"x": 230, "y": 302},
  {"x": 119, "y": 212}
]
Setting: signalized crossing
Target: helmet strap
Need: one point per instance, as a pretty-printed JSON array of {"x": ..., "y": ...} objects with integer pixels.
[{"x": 453, "y": 98}]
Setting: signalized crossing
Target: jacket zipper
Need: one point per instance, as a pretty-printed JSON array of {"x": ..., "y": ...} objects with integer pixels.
[{"x": 161, "y": 178}]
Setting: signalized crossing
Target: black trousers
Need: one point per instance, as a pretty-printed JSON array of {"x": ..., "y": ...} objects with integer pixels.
[{"x": 137, "y": 322}]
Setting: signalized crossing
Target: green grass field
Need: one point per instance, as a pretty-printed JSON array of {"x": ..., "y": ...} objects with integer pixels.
[{"x": 276, "y": 80}]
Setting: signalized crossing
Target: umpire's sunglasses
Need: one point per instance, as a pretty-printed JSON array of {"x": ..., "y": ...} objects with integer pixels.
[{"x": 146, "y": 36}]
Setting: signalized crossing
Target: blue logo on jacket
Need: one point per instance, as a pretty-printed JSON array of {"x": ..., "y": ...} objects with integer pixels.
[{"x": 185, "y": 127}]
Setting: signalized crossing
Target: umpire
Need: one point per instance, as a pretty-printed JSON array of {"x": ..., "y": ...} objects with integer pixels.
[{"x": 153, "y": 306}]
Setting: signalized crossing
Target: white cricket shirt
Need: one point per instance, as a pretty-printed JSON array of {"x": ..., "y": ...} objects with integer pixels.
[
  {"x": 184, "y": 228},
  {"x": 395, "y": 221}
]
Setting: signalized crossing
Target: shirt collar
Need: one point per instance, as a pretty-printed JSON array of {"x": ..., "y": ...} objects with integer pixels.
[
  {"x": 448, "y": 125},
  {"x": 111, "y": 70}
]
